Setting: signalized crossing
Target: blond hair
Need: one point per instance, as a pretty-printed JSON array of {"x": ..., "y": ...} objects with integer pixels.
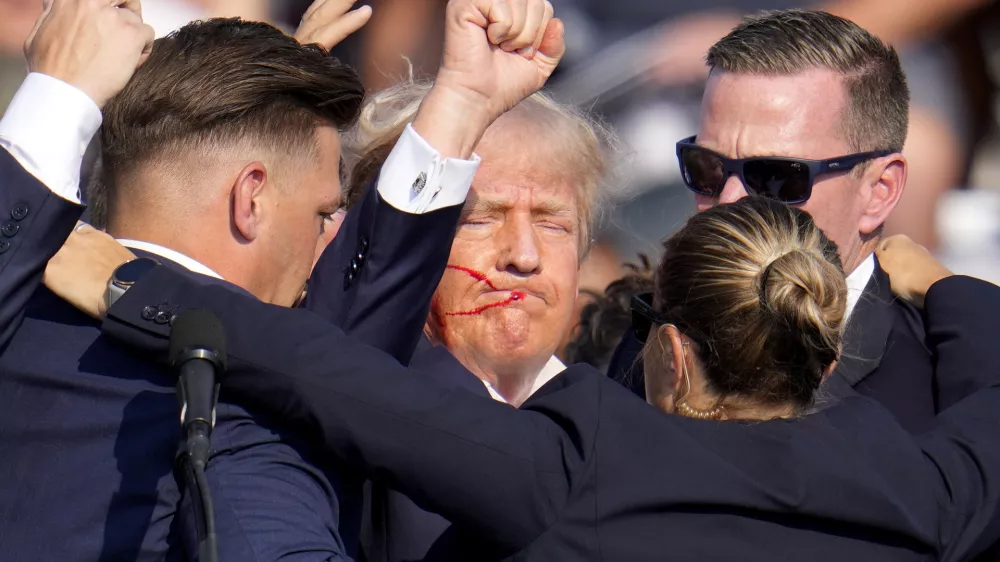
[
  {"x": 588, "y": 145},
  {"x": 761, "y": 292}
]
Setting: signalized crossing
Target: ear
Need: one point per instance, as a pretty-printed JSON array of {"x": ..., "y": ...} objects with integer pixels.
[
  {"x": 246, "y": 194},
  {"x": 678, "y": 355},
  {"x": 884, "y": 181}
]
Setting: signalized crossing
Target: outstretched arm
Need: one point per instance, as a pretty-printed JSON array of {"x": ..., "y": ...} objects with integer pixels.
[{"x": 437, "y": 445}]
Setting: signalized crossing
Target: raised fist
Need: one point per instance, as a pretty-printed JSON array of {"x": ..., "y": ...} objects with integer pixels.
[{"x": 93, "y": 45}]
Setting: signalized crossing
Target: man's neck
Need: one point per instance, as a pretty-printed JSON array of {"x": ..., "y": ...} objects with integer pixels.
[
  {"x": 186, "y": 250},
  {"x": 512, "y": 381}
]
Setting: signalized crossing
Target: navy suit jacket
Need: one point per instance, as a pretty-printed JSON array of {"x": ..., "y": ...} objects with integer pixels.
[
  {"x": 884, "y": 357},
  {"x": 396, "y": 529},
  {"x": 91, "y": 429},
  {"x": 585, "y": 470}
]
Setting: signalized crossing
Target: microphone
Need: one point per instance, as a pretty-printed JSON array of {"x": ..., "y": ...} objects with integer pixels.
[{"x": 198, "y": 352}]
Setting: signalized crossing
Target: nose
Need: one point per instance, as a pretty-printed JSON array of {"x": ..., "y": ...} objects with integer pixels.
[
  {"x": 519, "y": 247},
  {"x": 733, "y": 191}
]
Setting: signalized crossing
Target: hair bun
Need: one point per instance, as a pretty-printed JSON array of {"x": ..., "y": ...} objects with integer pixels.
[{"x": 799, "y": 287}]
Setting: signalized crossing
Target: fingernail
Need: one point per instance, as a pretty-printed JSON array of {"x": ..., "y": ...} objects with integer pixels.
[{"x": 527, "y": 52}]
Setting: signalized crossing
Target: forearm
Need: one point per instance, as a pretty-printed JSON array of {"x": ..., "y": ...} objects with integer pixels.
[
  {"x": 900, "y": 22},
  {"x": 962, "y": 316},
  {"x": 434, "y": 444}
]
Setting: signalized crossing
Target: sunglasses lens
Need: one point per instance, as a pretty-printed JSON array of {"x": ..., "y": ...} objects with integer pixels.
[
  {"x": 786, "y": 181},
  {"x": 702, "y": 171},
  {"x": 640, "y": 325}
]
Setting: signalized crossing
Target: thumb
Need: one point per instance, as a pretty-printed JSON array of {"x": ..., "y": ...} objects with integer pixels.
[{"x": 552, "y": 48}]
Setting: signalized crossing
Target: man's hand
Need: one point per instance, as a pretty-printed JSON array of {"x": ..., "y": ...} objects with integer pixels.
[
  {"x": 496, "y": 53},
  {"x": 93, "y": 45},
  {"x": 79, "y": 273},
  {"x": 328, "y": 22},
  {"x": 910, "y": 267}
]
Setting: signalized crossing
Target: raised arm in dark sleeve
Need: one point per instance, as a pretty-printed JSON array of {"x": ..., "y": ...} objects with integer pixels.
[
  {"x": 434, "y": 444},
  {"x": 376, "y": 278},
  {"x": 962, "y": 317},
  {"x": 34, "y": 223}
]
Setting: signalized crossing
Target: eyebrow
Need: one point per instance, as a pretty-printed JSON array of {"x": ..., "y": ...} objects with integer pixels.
[{"x": 546, "y": 207}]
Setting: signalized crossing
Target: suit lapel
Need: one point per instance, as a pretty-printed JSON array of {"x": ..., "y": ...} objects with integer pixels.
[{"x": 865, "y": 337}]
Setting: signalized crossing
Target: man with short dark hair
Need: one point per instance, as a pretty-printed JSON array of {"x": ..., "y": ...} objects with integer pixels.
[
  {"x": 811, "y": 109},
  {"x": 221, "y": 159}
]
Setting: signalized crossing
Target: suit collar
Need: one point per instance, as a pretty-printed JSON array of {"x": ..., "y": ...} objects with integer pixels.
[
  {"x": 866, "y": 333},
  {"x": 174, "y": 256},
  {"x": 197, "y": 276}
]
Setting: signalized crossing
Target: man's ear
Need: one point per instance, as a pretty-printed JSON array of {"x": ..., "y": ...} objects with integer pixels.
[
  {"x": 246, "y": 194},
  {"x": 883, "y": 182}
]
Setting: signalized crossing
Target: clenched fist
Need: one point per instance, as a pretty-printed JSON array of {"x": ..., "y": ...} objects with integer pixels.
[
  {"x": 93, "y": 45},
  {"x": 496, "y": 53}
]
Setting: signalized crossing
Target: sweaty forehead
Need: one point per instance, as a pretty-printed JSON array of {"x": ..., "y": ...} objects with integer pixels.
[{"x": 801, "y": 115}]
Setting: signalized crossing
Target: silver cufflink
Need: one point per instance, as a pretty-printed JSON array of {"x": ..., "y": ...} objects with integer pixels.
[{"x": 420, "y": 183}]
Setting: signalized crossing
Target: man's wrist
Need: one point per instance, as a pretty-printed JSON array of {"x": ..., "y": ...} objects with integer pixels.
[{"x": 453, "y": 120}]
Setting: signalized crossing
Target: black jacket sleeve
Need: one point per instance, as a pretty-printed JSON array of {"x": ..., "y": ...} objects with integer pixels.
[
  {"x": 376, "y": 278},
  {"x": 437, "y": 445},
  {"x": 34, "y": 224},
  {"x": 962, "y": 317}
]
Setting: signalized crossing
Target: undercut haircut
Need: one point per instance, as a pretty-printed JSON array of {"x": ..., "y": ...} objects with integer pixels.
[{"x": 221, "y": 83}]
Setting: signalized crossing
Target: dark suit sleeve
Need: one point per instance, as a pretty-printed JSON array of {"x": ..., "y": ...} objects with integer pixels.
[
  {"x": 34, "y": 223},
  {"x": 502, "y": 473},
  {"x": 963, "y": 318},
  {"x": 376, "y": 278}
]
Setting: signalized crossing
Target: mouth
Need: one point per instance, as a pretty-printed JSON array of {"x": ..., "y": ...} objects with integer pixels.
[{"x": 513, "y": 297}]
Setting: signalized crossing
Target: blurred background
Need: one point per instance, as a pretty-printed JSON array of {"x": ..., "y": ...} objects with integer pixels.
[{"x": 640, "y": 65}]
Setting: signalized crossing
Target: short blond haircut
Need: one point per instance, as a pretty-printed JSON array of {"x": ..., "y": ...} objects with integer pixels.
[{"x": 588, "y": 145}]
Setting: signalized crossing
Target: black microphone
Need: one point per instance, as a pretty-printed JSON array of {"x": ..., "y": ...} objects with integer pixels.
[{"x": 198, "y": 351}]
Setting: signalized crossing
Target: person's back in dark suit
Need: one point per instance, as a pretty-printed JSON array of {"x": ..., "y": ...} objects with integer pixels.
[
  {"x": 93, "y": 428},
  {"x": 813, "y": 107},
  {"x": 584, "y": 470}
]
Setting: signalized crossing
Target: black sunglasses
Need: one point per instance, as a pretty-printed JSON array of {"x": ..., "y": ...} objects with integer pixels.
[
  {"x": 644, "y": 316},
  {"x": 789, "y": 180}
]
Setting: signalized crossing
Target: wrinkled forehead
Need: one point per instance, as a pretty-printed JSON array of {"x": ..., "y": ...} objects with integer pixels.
[
  {"x": 799, "y": 115},
  {"x": 526, "y": 176}
]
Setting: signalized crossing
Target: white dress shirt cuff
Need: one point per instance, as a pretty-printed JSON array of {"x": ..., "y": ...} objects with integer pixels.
[
  {"x": 47, "y": 128},
  {"x": 415, "y": 179}
]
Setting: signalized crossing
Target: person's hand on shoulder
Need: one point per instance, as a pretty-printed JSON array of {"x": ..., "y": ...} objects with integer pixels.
[
  {"x": 79, "y": 273},
  {"x": 92, "y": 45},
  {"x": 496, "y": 53},
  {"x": 910, "y": 267},
  {"x": 328, "y": 22}
]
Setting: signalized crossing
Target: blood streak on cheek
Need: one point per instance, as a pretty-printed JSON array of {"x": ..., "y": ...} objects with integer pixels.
[{"x": 480, "y": 276}]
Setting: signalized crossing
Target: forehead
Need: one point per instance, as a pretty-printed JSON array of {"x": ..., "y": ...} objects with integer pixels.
[
  {"x": 524, "y": 172},
  {"x": 756, "y": 115}
]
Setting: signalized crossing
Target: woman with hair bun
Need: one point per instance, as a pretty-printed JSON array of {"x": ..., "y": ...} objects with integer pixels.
[
  {"x": 746, "y": 319},
  {"x": 749, "y": 311}
]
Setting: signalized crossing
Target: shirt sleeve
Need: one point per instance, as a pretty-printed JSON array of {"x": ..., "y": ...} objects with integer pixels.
[
  {"x": 47, "y": 128},
  {"x": 415, "y": 179}
]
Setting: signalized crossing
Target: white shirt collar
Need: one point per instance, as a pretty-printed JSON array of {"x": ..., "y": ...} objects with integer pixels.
[
  {"x": 857, "y": 281},
  {"x": 552, "y": 368},
  {"x": 172, "y": 255}
]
